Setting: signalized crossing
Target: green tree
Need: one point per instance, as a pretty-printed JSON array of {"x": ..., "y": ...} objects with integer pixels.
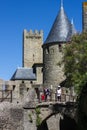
[{"x": 75, "y": 62}]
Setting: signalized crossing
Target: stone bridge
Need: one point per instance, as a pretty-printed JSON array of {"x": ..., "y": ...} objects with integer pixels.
[
  {"x": 49, "y": 112},
  {"x": 47, "y": 109},
  {"x": 32, "y": 115}
]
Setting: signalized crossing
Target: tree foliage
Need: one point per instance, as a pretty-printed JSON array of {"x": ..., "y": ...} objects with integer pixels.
[{"x": 75, "y": 61}]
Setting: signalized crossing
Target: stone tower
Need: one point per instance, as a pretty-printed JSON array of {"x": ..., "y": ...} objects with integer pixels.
[
  {"x": 32, "y": 48},
  {"x": 84, "y": 16},
  {"x": 59, "y": 35}
]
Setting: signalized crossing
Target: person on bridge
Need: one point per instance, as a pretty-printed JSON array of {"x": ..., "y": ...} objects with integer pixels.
[
  {"x": 46, "y": 93},
  {"x": 59, "y": 93}
]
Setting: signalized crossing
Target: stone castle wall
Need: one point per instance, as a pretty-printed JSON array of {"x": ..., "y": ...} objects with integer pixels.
[
  {"x": 84, "y": 16},
  {"x": 52, "y": 72},
  {"x": 11, "y": 117},
  {"x": 14, "y": 117},
  {"x": 19, "y": 89},
  {"x": 39, "y": 74},
  {"x": 32, "y": 48}
]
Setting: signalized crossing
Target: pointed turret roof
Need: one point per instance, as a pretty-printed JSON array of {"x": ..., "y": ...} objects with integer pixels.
[{"x": 61, "y": 30}]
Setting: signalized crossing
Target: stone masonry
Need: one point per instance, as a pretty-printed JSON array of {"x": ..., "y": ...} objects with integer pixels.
[
  {"x": 32, "y": 48},
  {"x": 84, "y": 15},
  {"x": 52, "y": 71}
]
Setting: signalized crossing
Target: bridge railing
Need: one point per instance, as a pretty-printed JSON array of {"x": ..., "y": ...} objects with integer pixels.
[
  {"x": 67, "y": 97},
  {"x": 53, "y": 98}
]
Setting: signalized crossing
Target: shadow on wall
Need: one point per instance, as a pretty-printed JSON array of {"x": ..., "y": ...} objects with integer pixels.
[
  {"x": 43, "y": 126},
  {"x": 68, "y": 123}
]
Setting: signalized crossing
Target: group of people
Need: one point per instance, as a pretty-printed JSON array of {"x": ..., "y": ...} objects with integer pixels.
[{"x": 47, "y": 94}]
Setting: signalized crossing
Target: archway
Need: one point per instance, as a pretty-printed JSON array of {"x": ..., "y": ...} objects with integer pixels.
[{"x": 56, "y": 121}]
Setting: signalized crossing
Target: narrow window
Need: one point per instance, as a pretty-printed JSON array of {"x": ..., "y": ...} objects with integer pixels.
[
  {"x": 31, "y": 82},
  {"x": 13, "y": 87},
  {"x": 60, "y": 48},
  {"x": 27, "y": 89},
  {"x": 47, "y": 50},
  {"x": 22, "y": 82}
]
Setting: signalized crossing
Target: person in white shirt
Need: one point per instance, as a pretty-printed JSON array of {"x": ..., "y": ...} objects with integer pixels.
[{"x": 59, "y": 93}]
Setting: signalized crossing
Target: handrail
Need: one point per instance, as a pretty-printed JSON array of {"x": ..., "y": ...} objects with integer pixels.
[{"x": 64, "y": 98}]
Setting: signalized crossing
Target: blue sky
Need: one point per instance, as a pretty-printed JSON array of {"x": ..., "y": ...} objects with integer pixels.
[{"x": 17, "y": 15}]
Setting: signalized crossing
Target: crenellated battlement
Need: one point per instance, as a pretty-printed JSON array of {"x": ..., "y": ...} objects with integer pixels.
[
  {"x": 33, "y": 34},
  {"x": 32, "y": 47}
]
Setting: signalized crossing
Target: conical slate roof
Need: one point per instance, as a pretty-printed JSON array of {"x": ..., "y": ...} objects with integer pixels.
[{"x": 61, "y": 30}]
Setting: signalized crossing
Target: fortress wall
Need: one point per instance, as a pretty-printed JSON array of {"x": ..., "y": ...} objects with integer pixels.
[
  {"x": 52, "y": 71},
  {"x": 32, "y": 48}
]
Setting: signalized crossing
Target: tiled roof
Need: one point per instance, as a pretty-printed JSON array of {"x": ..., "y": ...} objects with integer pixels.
[
  {"x": 61, "y": 30},
  {"x": 23, "y": 74}
]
